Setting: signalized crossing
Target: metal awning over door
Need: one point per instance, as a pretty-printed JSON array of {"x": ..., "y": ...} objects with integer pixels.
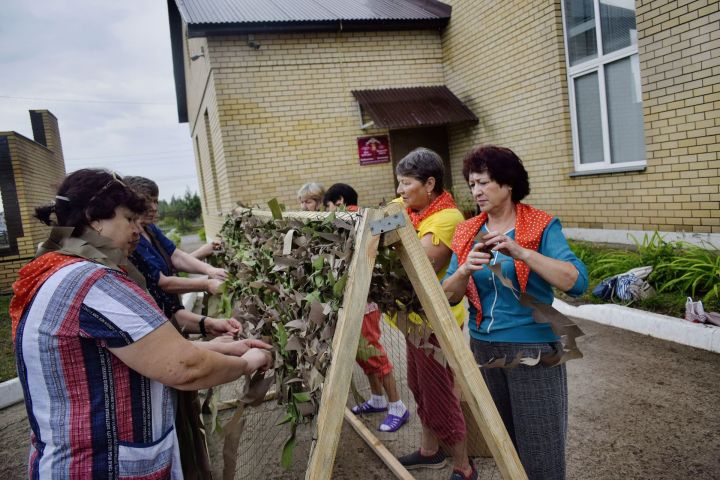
[{"x": 411, "y": 107}]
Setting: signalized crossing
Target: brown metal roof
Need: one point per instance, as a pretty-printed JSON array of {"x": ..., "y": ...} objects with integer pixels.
[
  {"x": 282, "y": 11},
  {"x": 413, "y": 107}
]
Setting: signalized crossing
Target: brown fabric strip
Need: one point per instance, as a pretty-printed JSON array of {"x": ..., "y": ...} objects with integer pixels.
[{"x": 562, "y": 326}]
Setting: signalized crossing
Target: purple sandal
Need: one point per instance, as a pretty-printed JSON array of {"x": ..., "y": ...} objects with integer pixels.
[
  {"x": 393, "y": 423},
  {"x": 366, "y": 408}
]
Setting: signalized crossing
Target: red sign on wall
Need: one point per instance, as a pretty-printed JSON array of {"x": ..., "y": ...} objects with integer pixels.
[{"x": 372, "y": 150}]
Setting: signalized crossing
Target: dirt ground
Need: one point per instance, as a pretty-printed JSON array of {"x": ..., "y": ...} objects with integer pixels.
[{"x": 639, "y": 408}]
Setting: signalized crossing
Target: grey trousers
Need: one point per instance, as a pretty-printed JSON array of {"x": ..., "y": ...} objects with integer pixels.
[{"x": 532, "y": 402}]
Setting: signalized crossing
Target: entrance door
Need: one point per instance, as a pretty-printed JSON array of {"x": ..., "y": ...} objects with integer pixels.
[{"x": 403, "y": 142}]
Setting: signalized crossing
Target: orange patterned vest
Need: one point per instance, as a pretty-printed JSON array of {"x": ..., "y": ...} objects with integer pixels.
[{"x": 530, "y": 223}]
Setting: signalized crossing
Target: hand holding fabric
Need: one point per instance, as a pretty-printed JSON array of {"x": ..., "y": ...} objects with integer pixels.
[
  {"x": 258, "y": 358},
  {"x": 505, "y": 245},
  {"x": 241, "y": 347},
  {"x": 222, "y": 326},
  {"x": 213, "y": 286},
  {"x": 477, "y": 258},
  {"x": 217, "y": 273}
]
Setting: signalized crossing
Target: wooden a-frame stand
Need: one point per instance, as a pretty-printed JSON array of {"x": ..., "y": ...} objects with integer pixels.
[{"x": 453, "y": 343}]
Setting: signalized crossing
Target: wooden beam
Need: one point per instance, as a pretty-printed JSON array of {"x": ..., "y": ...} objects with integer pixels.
[
  {"x": 456, "y": 350},
  {"x": 389, "y": 238},
  {"x": 345, "y": 344},
  {"x": 293, "y": 214},
  {"x": 373, "y": 442}
]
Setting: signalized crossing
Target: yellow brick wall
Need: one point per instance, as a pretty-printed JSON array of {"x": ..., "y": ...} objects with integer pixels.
[
  {"x": 37, "y": 172},
  {"x": 679, "y": 46},
  {"x": 506, "y": 60},
  {"x": 202, "y": 103},
  {"x": 210, "y": 162},
  {"x": 284, "y": 114},
  {"x": 8, "y": 272}
]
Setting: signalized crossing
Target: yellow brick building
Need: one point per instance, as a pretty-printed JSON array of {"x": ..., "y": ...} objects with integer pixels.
[
  {"x": 612, "y": 105},
  {"x": 30, "y": 171}
]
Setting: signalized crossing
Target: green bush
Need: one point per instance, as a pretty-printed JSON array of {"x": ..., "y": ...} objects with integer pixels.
[
  {"x": 653, "y": 250},
  {"x": 174, "y": 237},
  {"x": 202, "y": 235},
  {"x": 587, "y": 252},
  {"x": 613, "y": 262},
  {"x": 679, "y": 270},
  {"x": 695, "y": 271},
  {"x": 180, "y": 213}
]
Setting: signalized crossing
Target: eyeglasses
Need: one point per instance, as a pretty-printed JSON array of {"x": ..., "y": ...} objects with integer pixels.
[{"x": 115, "y": 178}]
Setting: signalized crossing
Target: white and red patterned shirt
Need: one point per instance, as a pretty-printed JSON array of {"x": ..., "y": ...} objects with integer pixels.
[{"x": 91, "y": 416}]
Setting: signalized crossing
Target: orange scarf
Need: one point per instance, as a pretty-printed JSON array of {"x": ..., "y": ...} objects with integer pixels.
[
  {"x": 530, "y": 223},
  {"x": 32, "y": 276},
  {"x": 443, "y": 201}
]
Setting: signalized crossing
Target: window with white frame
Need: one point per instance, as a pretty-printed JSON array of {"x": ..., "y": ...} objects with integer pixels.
[{"x": 604, "y": 84}]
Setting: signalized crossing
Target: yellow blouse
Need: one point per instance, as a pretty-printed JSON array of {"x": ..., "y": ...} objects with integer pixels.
[{"x": 441, "y": 225}]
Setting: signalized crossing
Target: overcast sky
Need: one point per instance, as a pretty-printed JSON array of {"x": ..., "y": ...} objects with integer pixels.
[{"x": 104, "y": 69}]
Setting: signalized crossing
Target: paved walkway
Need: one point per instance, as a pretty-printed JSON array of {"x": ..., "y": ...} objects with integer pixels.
[{"x": 188, "y": 243}]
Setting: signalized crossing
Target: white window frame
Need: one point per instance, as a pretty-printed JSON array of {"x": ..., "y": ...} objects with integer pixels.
[{"x": 597, "y": 64}]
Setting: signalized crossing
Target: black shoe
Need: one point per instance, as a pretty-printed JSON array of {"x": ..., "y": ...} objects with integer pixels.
[
  {"x": 457, "y": 475},
  {"x": 418, "y": 460}
]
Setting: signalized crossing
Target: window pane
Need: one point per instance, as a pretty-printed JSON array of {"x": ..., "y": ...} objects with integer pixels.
[
  {"x": 580, "y": 30},
  {"x": 617, "y": 19},
  {"x": 624, "y": 104},
  {"x": 589, "y": 125}
]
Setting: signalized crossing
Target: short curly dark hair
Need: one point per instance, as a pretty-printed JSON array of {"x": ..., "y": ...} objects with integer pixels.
[
  {"x": 501, "y": 165},
  {"x": 86, "y": 195}
]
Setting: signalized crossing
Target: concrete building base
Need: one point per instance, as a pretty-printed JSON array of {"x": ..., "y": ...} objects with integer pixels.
[{"x": 627, "y": 237}]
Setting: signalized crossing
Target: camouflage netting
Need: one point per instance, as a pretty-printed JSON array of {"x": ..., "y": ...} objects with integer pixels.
[
  {"x": 288, "y": 278},
  {"x": 287, "y": 283},
  {"x": 286, "y": 287}
]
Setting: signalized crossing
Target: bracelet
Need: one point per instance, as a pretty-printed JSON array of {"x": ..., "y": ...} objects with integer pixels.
[{"x": 203, "y": 332}]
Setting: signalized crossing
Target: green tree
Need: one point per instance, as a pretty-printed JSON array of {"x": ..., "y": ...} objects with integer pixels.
[{"x": 181, "y": 213}]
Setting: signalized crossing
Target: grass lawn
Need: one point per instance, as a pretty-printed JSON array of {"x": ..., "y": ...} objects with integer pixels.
[{"x": 7, "y": 356}]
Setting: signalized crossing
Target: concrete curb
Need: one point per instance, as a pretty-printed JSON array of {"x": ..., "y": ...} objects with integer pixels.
[
  {"x": 10, "y": 392},
  {"x": 673, "y": 329}
]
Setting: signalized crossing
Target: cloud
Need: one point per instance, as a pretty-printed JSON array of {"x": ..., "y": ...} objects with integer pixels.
[{"x": 77, "y": 50}]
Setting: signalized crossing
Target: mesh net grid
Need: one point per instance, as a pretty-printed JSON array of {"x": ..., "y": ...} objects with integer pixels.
[{"x": 262, "y": 439}]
